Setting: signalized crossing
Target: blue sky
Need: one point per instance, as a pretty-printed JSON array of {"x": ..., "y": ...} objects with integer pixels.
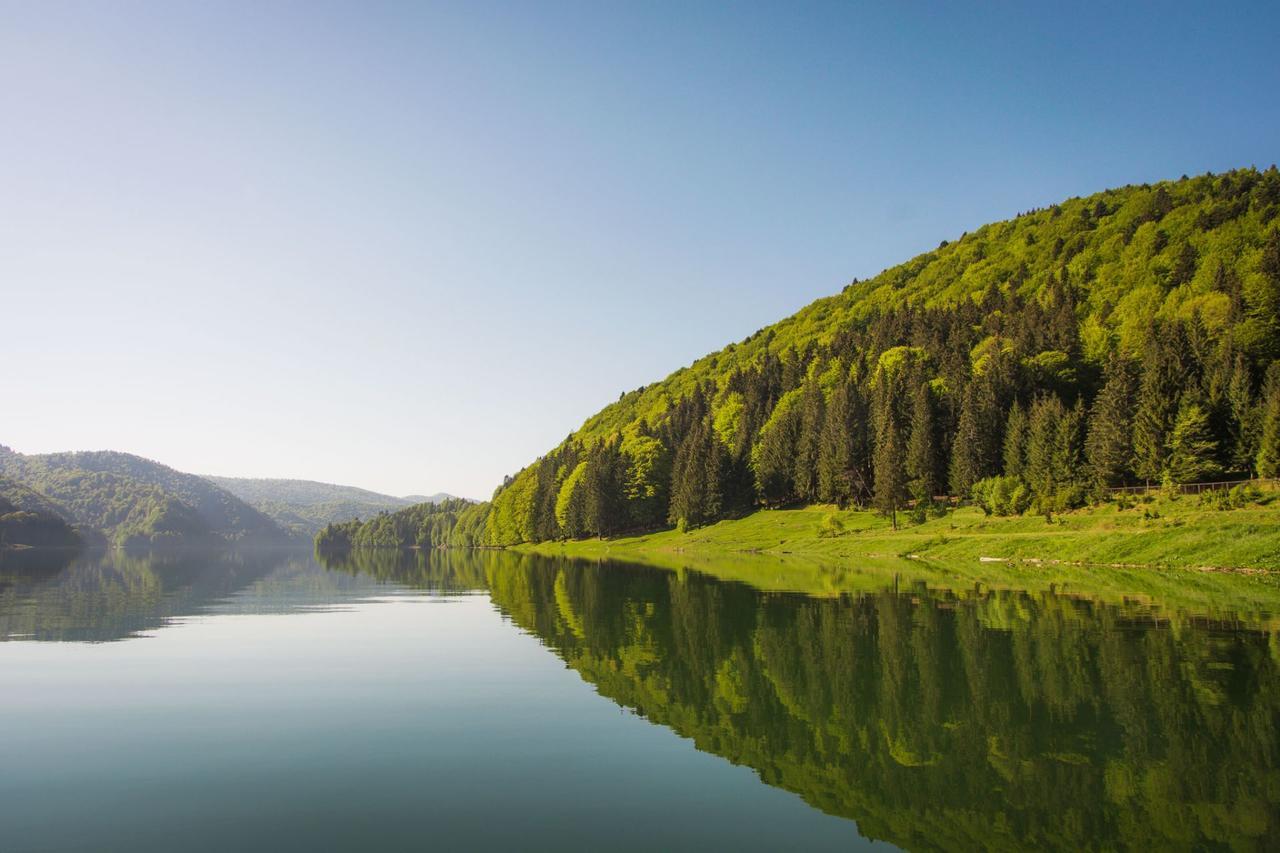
[{"x": 411, "y": 246}]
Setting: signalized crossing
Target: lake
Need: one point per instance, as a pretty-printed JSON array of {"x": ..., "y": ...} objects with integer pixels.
[{"x": 262, "y": 700}]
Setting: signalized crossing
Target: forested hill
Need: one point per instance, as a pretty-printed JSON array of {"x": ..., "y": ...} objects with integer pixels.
[
  {"x": 306, "y": 506},
  {"x": 29, "y": 519},
  {"x": 129, "y": 500},
  {"x": 1130, "y": 336}
]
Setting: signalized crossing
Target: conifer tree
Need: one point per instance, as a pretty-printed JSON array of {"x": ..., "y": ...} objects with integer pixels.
[
  {"x": 685, "y": 485},
  {"x": 714, "y": 461},
  {"x": 974, "y": 452},
  {"x": 1047, "y": 413},
  {"x": 1162, "y": 379},
  {"x": 1015, "y": 441},
  {"x": 809, "y": 440},
  {"x": 569, "y": 503},
  {"x": 1068, "y": 451},
  {"x": 965, "y": 462},
  {"x": 835, "y": 449},
  {"x": 773, "y": 459},
  {"x": 1110, "y": 432},
  {"x": 1192, "y": 450},
  {"x": 1261, "y": 329},
  {"x": 1268, "y": 459},
  {"x": 1243, "y": 412},
  {"x": 544, "y": 524},
  {"x": 890, "y": 474},
  {"x": 922, "y": 446}
]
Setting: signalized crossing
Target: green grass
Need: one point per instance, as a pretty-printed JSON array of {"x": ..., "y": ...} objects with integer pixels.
[{"x": 1177, "y": 552}]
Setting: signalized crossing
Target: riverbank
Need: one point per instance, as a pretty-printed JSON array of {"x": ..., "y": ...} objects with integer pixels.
[
  {"x": 1158, "y": 531},
  {"x": 1181, "y": 552}
]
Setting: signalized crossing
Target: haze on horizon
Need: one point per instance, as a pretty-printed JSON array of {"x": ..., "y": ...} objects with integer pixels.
[{"x": 410, "y": 248}]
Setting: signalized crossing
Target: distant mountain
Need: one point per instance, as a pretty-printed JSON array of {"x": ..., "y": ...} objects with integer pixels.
[
  {"x": 28, "y": 518},
  {"x": 438, "y": 497},
  {"x": 128, "y": 500},
  {"x": 306, "y": 506}
]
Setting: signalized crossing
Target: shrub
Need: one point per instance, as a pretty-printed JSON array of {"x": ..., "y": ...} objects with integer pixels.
[
  {"x": 1002, "y": 495},
  {"x": 830, "y": 527}
]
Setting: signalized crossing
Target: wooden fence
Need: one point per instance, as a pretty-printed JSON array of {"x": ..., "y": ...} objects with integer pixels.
[{"x": 1195, "y": 488}]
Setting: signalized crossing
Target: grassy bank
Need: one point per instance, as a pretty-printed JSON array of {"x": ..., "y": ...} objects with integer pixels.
[
  {"x": 1159, "y": 531},
  {"x": 1158, "y": 548}
]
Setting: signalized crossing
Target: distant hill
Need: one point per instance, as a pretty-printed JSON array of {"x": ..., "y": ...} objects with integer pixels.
[
  {"x": 306, "y": 506},
  {"x": 438, "y": 497},
  {"x": 28, "y": 518},
  {"x": 128, "y": 500}
]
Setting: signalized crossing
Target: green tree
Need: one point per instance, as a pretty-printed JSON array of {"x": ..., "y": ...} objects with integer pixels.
[
  {"x": 1192, "y": 449},
  {"x": 1162, "y": 380},
  {"x": 922, "y": 445},
  {"x": 1268, "y": 459},
  {"x": 1046, "y": 415},
  {"x": 890, "y": 474},
  {"x": 1015, "y": 441},
  {"x": 809, "y": 441},
  {"x": 569, "y": 503},
  {"x": 1243, "y": 412},
  {"x": 1109, "y": 445},
  {"x": 773, "y": 459},
  {"x": 975, "y": 450}
]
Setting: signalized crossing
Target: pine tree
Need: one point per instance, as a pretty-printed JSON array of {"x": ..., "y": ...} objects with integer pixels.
[
  {"x": 544, "y": 524},
  {"x": 686, "y": 482},
  {"x": 1244, "y": 426},
  {"x": 1015, "y": 441},
  {"x": 1261, "y": 328},
  {"x": 965, "y": 463},
  {"x": 808, "y": 441},
  {"x": 1192, "y": 450},
  {"x": 1047, "y": 413},
  {"x": 773, "y": 459},
  {"x": 1162, "y": 379},
  {"x": 835, "y": 449},
  {"x": 890, "y": 475},
  {"x": 1110, "y": 432},
  {"x": 975, "y": 450},
  {"x": 1068, "y": 450},
  {"x": 1268, "y": 459},
  {"x": 569, "y": 503},
  {"x": 714, "y": 461},
  {"x": 922, "y": 446}
]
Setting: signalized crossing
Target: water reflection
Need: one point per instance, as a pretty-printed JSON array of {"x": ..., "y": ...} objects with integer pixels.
[
  {"x": 991, "y": 720},
  {"x": 936, "y": 719},
  {"x": 104, "y": 595}
]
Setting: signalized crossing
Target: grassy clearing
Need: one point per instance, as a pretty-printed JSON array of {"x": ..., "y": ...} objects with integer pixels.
[{"x": 1158, "y": 549}]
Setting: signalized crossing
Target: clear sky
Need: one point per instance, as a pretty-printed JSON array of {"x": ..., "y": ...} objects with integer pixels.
[{"x": 410, "y": 246}]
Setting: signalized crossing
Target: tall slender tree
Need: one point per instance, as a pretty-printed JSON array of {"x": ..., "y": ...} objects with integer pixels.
[
  {"x": 890, "y": 473},
  {"x": 1192, "y": 450},
  {"x": 1268, "y": 459},
  {"x": 1109, "y": 444},
  {"x": 922, "y": 445},
  {"x": 809, "y": 440},
  {"x": 1015, "y": 441},
  {"x": 1163, "y": 376}
]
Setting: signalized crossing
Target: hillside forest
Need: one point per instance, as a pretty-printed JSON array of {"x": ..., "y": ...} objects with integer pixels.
[{"x": 1130, "y": 337}]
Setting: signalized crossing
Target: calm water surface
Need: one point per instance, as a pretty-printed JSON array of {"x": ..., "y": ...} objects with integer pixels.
[{"x": 263, "y": 701}]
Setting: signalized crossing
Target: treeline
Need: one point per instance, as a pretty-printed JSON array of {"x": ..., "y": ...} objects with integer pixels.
[
  {"x": 425, "y": 525},
  {"x": 1129, "y": 337}
]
